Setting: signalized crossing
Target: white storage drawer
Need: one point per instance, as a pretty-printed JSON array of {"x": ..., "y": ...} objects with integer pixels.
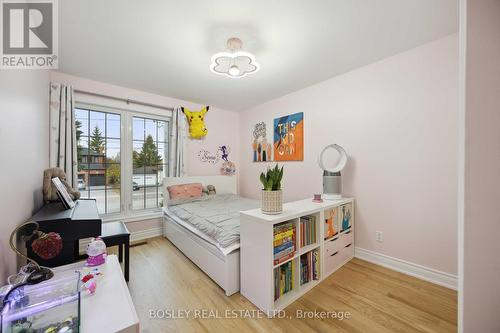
[
  {"x": 332, "y": 246},
  {"x": 347, "y": 238},
  {"x": 346, "y": 253},
  {"x": 333, "y": 261}
]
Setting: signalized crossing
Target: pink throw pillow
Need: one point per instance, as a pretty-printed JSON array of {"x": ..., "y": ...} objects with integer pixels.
[{"x": 185, "y": 191}]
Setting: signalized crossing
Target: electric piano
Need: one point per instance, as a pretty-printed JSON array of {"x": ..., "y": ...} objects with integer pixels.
[{"x": 81, "y": 221}]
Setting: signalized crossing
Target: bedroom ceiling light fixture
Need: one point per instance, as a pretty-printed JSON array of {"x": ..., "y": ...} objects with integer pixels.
[{"x": 234, "y": 62}]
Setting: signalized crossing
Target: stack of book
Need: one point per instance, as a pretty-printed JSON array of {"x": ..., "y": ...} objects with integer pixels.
[
  {"x": 307, "y": 230},
  {"x": 284, "y": 241},
  {"x": 283, "y": 279},
  {"x": 309, "y": 266}
]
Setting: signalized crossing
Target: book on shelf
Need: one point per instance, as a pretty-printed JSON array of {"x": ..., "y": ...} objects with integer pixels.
[
  {"x": 284, "y": 252},
  {"x": 284, "y": 241},
  {"x": 307, "y": 230},
  {"x": 283, "y": 279},
  {"x": 309, "y": 266}
]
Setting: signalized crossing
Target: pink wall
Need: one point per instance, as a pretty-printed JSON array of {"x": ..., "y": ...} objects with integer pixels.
[
  {"x": 397, "y": 119},
  {"x": 222, "y": 124},
  {"x": 481, "y": 233},
  {"x": 223, "y": 129},
  {"x": 24, "y": 134}
]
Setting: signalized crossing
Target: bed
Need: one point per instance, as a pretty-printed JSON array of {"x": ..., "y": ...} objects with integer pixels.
[{"x": 207, "y": 230}]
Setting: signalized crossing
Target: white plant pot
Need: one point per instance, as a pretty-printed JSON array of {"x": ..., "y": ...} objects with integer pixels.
[{"x": 272, "y": 202}]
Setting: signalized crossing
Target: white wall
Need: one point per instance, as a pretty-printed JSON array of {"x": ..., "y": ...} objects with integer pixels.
[
  {"x": 480, "y": 296},
  {"x": 398, "y": 120},
  {"x": 24, "y": 100}
]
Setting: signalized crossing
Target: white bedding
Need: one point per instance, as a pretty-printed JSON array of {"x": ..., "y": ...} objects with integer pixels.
[{"x": 216, "y": 220}]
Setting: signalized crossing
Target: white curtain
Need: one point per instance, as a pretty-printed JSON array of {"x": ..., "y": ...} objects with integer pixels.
[
  {"x": 62, "y": 131},
  {"x": 177, "y": 144}
]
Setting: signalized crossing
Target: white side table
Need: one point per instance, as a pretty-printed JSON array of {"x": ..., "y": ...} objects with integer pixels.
[{"x": 110, "y": 309}]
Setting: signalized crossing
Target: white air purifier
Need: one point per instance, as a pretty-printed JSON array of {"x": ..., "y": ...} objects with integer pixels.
[{"x": 332, "y": 179}]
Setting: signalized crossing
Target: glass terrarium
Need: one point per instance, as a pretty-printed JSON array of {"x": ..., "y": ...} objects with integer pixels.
[{"x": 52, "y": 306}]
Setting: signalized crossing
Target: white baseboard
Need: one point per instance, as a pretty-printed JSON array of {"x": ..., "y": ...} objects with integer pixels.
[
  {"x": 145, "y": 234},
  {"x": 134, "y": 236},
  {"x": 418, "y": 271}
]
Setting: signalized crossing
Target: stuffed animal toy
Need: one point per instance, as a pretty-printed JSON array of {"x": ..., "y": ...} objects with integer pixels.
[
  {"x": 196, "y": 120},
  {"x": 211, "y": 190},
  {"x": 96, "y": 250},
  {"x": 50, "y": 190}
]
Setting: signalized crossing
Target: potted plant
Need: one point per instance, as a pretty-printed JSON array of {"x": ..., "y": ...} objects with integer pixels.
[{"x": 272, "y": 196}]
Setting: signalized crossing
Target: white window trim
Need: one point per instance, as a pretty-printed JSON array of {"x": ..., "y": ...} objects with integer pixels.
[{"x": 127, "y": 213}]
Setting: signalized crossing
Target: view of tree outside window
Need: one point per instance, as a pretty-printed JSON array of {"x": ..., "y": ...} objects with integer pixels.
[
  {"x": 99, "y": 164},
  {"x": 149, "y": 140}
]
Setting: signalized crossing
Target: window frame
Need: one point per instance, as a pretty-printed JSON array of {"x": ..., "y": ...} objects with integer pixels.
[
  {"x": 166, "y": 157},
  {"x": 127, "y": 213},
  {"x": 92, "y": 161}
]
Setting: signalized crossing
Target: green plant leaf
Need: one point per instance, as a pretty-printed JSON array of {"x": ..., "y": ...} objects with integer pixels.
[
  {"x": 263, "y": 179},
  {"x": 271, "y": 180}
]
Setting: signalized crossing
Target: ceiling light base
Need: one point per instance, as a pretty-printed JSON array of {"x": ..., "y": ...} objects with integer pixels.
[
  {"x": 234, "y": 63},
  {"x": 234, "y": 44}
]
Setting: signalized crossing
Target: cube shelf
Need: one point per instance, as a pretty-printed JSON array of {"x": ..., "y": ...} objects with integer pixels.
[{"x": 284, "y": 256}]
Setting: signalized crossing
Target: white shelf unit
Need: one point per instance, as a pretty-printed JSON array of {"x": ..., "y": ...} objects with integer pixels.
[{"x": 256, "y": 249}]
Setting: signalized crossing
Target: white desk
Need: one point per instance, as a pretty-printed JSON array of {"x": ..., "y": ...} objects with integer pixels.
[{"x": 110, "y": 309}]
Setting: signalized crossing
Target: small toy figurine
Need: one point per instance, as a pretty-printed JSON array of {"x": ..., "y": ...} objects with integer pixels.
[
  {"x": 96, "y": 250},
  {"x": 90, "y": 278},
  {"x": 89, "y": 283}
]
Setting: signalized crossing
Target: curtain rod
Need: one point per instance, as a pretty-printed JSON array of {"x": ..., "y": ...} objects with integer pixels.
[{"x": 126, "y": 100}]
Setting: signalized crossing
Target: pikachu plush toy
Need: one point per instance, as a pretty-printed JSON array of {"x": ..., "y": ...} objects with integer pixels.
[{"x": 196, "y": 120}]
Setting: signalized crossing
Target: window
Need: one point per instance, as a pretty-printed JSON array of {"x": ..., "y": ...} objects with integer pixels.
[
  {"x": 99, "y": 165},
  {"x": 149, "y": 142},
  {"x": 122, "y": 159}
]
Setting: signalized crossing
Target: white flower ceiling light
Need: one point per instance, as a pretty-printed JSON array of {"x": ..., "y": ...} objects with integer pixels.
[{"x": 234, "y": 63}]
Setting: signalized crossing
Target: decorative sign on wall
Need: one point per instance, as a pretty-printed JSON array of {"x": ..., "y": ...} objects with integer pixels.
[
  {"x": 261, "y": 148},
  {"x": 206, "y": 156},
  {"x": 227, "y": 168},
  {"x": 289, "y": 137},
  {"x": 224, "y": 152}
]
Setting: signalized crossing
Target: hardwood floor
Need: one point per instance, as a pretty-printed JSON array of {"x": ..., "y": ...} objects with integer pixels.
[{"x": 378, "y": 299}]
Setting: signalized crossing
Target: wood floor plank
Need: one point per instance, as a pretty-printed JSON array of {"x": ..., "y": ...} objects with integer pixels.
[
  {"x": 410, "y": 281},
  {"x": 378, "y": 299},
  {"x": 379, "y": 295}
]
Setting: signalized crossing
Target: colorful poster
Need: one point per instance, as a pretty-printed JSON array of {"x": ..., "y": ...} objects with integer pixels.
[
  {"x": 289, "y": 138},
  {"x": 262, "y": 150}
]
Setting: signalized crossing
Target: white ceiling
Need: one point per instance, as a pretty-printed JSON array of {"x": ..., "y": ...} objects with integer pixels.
[{"x": 164, "y": 46}]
